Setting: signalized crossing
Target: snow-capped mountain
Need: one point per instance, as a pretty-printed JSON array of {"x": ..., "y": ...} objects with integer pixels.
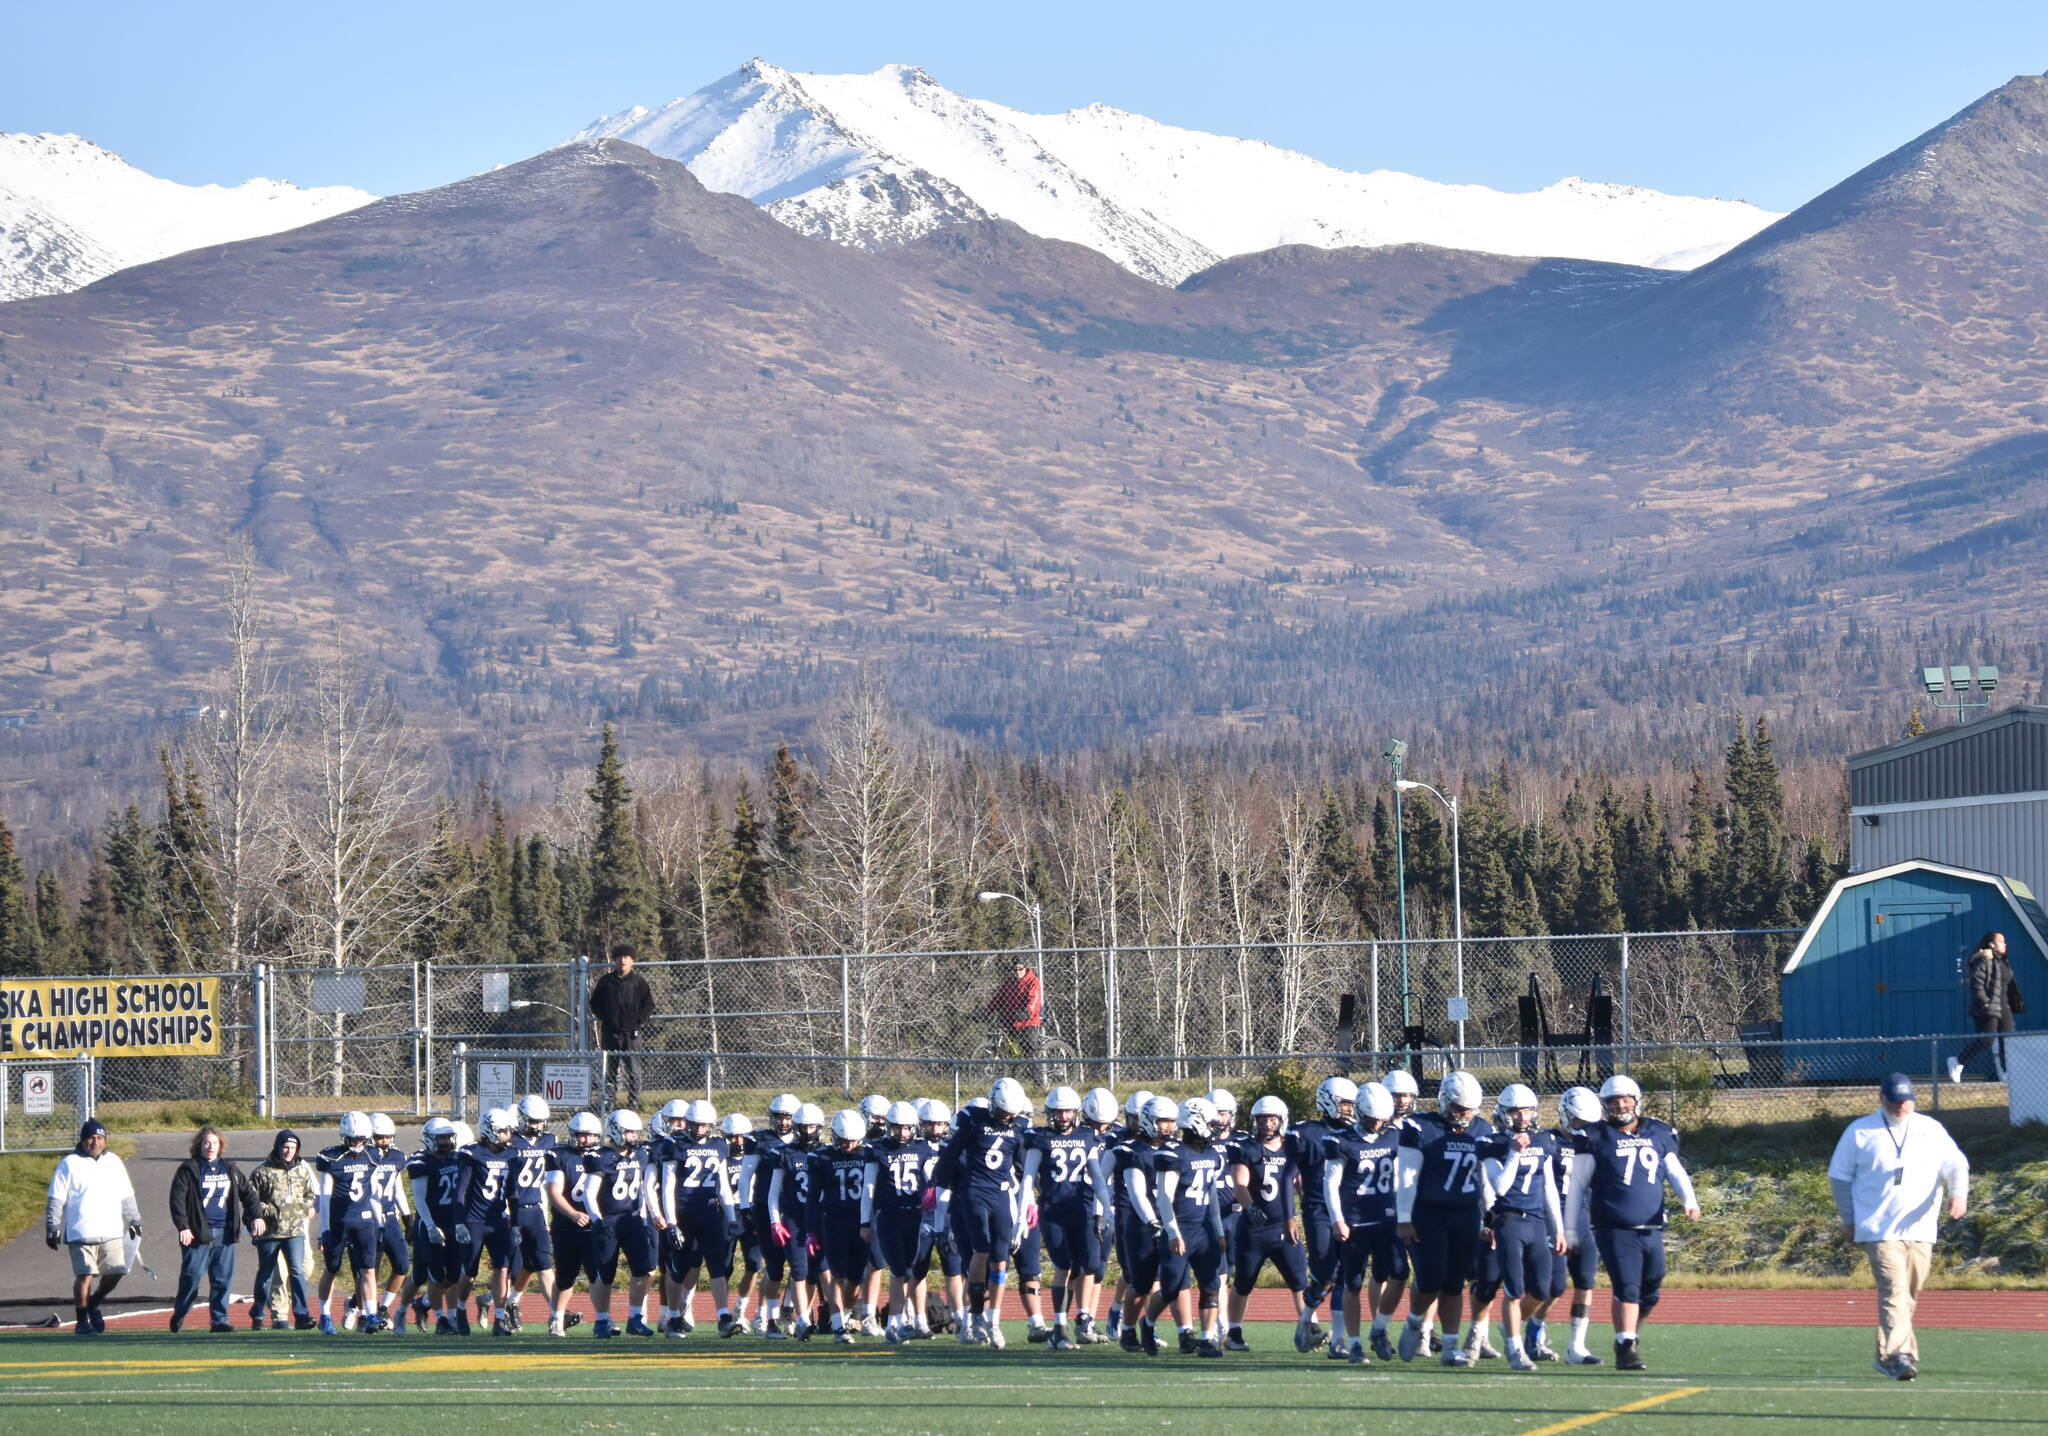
[
  {"x": 71, "y": 213},
  {"x": 873, "y": 160}
]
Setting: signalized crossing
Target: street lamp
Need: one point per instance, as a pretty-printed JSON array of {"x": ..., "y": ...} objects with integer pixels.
[
  {"x": 1397, "y": 754},
  {"x": 1402, "y": 785},
  {"x": 1037, "y": 931}
]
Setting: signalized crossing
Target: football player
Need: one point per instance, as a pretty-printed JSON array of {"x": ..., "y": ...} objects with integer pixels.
[
  {"x": 1336, "y": 1110},
  {"x": 486, "y": 1222},
  {"x": 1265, "y": 1175},
  {"x": 1526, "y": 1223},
  {"x": 738, "y": 1130},
  {"x": 1191, "y": 1174},
  {"x": 392, "y": 1237},
  {"x": 833, "y": 1219},
  {"x": 893, "y": 1218},
  {"x": 533, "y": 1246},
  {"x": 1618, "y": 1174},
  {"x": 1386, "y": 1294},
  {"x": 1440, "y": 1205},
  {"x": 789, "y": 1198},
  {"x": 766, "y": 1162},
  {"x": 619, "y": 1198},
  {"x": 570, "y": 1182},
  {"x": 1361, "y": 1175},
  {"x": 700, "y": 1217},
  {"x": 436, "y": 1177},
  {"x": 351, "y": 1220},
  {"x": 1144, "y": 1238},
  {"x": 1574, "y": 1271},
  {"x": 980, "y": 1168},
  {"x": 1122, "y": 1142},
  {"x": 874, "y": 1110},
  {"x": 936, "y": 1120},
  {"x": 1063, "y": 1178}
]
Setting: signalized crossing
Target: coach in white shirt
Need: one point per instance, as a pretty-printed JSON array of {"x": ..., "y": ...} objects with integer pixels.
[
  {"x": 1887, "y": 1173},
  {"x": 91, "y": 1209}
]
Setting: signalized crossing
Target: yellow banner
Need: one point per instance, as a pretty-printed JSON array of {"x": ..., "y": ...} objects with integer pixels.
[{"x": 111, "y": 1017}]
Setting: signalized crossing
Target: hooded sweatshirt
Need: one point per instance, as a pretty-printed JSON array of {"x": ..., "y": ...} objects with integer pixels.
[{"x": 286, "y": 1192}]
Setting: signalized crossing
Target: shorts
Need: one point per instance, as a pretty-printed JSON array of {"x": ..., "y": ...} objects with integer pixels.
[
  {"x": 1031, "y": 1253},
  {"x": 607, "y": 1239},
  {"x": 1446, "y": 1248},
  {"x": 903, "y": 1243},
  {"x": 704, "y": 1244},
  {"x": 1142, "y": 1252},
  {"x": 1322, "y": 1249},
  {"x": 1634, "y": 1258},
  {"x": 985, "y": 1225},
  {"x": 1255, "y": 1246},
  {"x": 844, "y": 1254},
  {"x": 107, "y": 1258},
  {"x": 1201, "y": 1263},
  {"x": 391, "y": 1242},
  {"x": 533, "y": 1245},
  {"x": 1522, "y": 1244},
  {"x": 1373, "y": 1251},
  {"x": 567, "y": 1239},
  {"x": 358, "y": 1241},
  {"x": 1073, "y": 1243}
]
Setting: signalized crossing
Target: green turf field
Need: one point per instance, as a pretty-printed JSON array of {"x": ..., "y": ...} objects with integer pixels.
[{"x": 1702, "y": 1379}]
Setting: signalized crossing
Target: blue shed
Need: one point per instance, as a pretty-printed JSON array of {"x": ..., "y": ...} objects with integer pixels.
[{"x": 1885, "y": 957}]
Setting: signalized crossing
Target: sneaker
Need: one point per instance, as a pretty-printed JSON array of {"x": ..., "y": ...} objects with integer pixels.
[
  {"x": 326, "y": 1324},
  {"x": 556, "y": 1328},
  {"x": 1357, "y": 1354},
  {"x": 730, "y": 1326},
  {"x": 1411, "y": 1342},
  {"x": 1955, "y": 1072},
  {"x": 1518, "y": 1360},
  {"x": 1543, "y": 1352},
  {"x": 255, "y": 1321},
  {"x": 1038, "y": 1335},
  {"x": 277, "y": 1323},
  {"x": 992, "y": 1331},
  {"x": 304, "y": 1323},
  {"x": 636, "y": 1325},
  {"x": 1235, "y": 1341},
  {"x": 1304, "y": 1341},
  {"x": 1627, "y": 1358},
  {"x": 1382, "y": 1348},
  {"x": 1482, "y": 1349},
  {"x": 1188, "y": 1341},
  {"x": 1907, "y": 1368},
  {"x": 1581, "y": 1358},
  {"x": 1209, "y": 1350},
  {"x": 1128, "y": 1339}
]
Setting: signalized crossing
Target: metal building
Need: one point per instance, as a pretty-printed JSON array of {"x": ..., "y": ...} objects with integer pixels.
[
  {"x": 1974, "y": 796},
  {"x": 1885, "y": 957}
]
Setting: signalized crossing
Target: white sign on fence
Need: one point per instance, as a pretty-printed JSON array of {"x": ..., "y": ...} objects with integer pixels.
[
  {"x": 38, "y": 1093},
  {"x": 497, "y": 1085},
  {"x": 565, "y": 1084},
  {"x": 497, "y": 992},
  {"x": 340, "y": 992}
]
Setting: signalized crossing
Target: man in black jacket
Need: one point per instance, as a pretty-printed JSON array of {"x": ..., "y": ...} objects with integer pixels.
[
  {"x": 1994, "y": 998},
  {"x": 210, "y": 1201},
  {"x": 621, "y": 1003}
]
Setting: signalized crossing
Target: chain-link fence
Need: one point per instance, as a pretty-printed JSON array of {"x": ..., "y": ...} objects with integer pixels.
[
  {"x": 346, "y": 1037},
  {"x": 43, "y": 1101},
  {"x": 232, "y": 1074},
  {"x": 1690, "y": 1084}
]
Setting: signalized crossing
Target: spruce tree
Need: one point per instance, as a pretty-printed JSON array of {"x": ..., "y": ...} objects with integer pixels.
[
  {"x": 621, "y": 909},
  {"x": 1599, "y": 906},
  {"x": 131, "y": 876},
  {"x": 20, "y": 941},
  {"x": 745, "y": 879},
  {"x": 788, "y": 791},
  {"x": 53, "y": 924}
]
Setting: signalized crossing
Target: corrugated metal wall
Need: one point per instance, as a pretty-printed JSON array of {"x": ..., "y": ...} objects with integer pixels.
[
  {"x": 2010, "y": 839},
  {"x": 2005, "y": 753}
]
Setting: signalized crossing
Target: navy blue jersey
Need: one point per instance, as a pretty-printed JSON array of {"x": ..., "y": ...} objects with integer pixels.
[
  {"x": 1066, "y": 1168},
  {"x": 1147, "y": 1160},
  {"x": 1450, "y": 1179},
  {"x": 985, "y": 1156},
  {"x": 837, "y": 1181},
  {"x": 796, "y": 1184},
  {"x": 1202, "y": 1180},
  {"x": 1368, "y": 1172},
  {"x": 1628, "y": 1172},
  {"x": 388, "y": 1180},
  {"x": 698, "y": 1170},
  {"x": 737, "y": 1150},
  {"x": 214, "y": 1184},
  {"x": 1521, "y": 1178},
  {"x": 487, "y": 1186},
  {"x": 354, "y": 1177},
  {"x": 579, "y": 1179},
  {"x": 530, "y": 1168},
  {"x": 1272, "y": 1174},
  {"x": 1305, "y": 1141},
  {"x": 619, "y": 1178},
  {"x": 441, "y": 1174},
  {"x": 1122, "y": 1155},
  {"x": 768, "y": 1149},
  {"x": 903, "y": 1170}
]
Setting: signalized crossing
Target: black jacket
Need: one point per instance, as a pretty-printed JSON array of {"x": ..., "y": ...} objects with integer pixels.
[
  {"x": 188, "y": 1212},
  {"x": 1992, "y": 989},
  {"x": 621, "y": 1006}
]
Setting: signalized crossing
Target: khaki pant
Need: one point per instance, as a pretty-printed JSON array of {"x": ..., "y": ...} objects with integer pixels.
[{"x": 1901, "y": 1270}]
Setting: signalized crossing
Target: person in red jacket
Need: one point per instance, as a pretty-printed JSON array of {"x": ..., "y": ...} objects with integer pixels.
[{"x": 1017, "y": 1006}]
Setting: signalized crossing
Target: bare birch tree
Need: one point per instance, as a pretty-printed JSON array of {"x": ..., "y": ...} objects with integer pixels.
[
  {"x": 1243, "y": 862},
  {"x": 1307, "y": 907}
]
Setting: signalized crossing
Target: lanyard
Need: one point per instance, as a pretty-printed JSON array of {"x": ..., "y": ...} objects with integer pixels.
[{"x": 1898, "y": 1149}]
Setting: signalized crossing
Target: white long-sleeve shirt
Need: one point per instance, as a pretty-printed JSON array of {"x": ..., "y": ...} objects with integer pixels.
[
  {"x": 1894, "y": 1173},
  {"x": 91, "y": 1199}
]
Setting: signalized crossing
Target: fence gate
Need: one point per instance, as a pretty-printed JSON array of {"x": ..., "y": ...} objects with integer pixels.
[
  {"x": 42, "y": 1102},
  {"x": 343, "y": 1038}
]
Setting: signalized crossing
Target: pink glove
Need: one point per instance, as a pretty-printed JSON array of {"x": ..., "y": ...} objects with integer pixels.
[
  {"x": 813, "y": 1245},
  {"x": 931, "y": 1199},
  {"x": 780, "y": 1233},
  {"x": 1030, "y": 1216}
]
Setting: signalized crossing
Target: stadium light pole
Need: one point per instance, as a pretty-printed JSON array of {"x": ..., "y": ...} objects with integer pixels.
[
  {"x": 1037, "y": 932},
  {"x": 1957, "y": 679},
  {"x": 1397, "y": 754},
  {"x": 1457, "y": 895}
]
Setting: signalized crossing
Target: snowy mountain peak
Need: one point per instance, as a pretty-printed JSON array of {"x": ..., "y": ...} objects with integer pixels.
[
  {"x": 72, "y": 212},
  {"x": 877, "y": 159}
]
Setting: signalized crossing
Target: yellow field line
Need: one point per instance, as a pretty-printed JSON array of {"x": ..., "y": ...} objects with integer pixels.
[{"x": 1644, "y": 1405}]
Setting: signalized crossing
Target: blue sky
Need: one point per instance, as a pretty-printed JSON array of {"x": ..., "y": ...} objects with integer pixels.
[{"x": 1771, "y": 103}]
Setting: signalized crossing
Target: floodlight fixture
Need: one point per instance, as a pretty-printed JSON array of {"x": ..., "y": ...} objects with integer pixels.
[
  {"x": 1987, "y": 679},
  {"x": 1936, "y": 681},
  {"x": 1962, "y": 684},
  {"x": 1959, "y": 677}
]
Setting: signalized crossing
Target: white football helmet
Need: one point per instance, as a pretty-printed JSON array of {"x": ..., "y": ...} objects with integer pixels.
[
  {"x": 499, "y": 1125},
  {"x": 736, "y": 1124},
  {"x": 1225, "y": 1103},
  {"x": 1401, "y": 1084},
  {"x": 668, "y": 1121},
  {"x": 810, "y": 1118},
  {"x": 381, "y": 1125},
  {"x": 1007, "y": 1097},
  {"x": 901, "y": 1114},
  {"x": 934, "y": 1113},
  {"x": 533, "y": 1111},
  {"x": 786, "y": 1105},
  {"x": 1269, "y": 1106},
  {"x": 1331, "y": 1095},
  {"x": 700, "y": 1113},
  {"x": 1514, "y": 1099},
  {"x": 1375, "y": 1105},
  {"x": 1062, "y": 1109},
  {"x": 1616, "y": 1090},
  {"x": 1578, "y": 1107},
  {"x": 355, "y": 1127},
  {"x": 1135, "y": 1107},
  {"x": 1162, "y": 1115},
  {"x": 1198, "y": 1118},
  {"x": 849, "y": 1126},
  {"x": 465, "y": 1135},
  {"x": 980, "y": 1104},
  {"x": 585, "y": 1124},
  {"x": 1099, "y": 1107},
  {"x": 875, "y": 1108},
  {"x": 1460, "y": 1092},
  {"x": 440, "y": 1135},
  {"x": 622, "y": 1128}
]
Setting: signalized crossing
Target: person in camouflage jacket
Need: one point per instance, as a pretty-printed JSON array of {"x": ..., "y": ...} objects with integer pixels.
[{"x": 287, "y": 1190}]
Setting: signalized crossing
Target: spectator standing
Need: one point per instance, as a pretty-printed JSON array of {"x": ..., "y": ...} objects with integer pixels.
[
  {"x": 286, "y": 1189},
  {"x": 210, "y": 1201},
  {"x": 92, "y": 1210},
  {"x": 1994, "y": 998},
  {"x": 1887, "y": 1173},
  {"x": 1019, "y": 1005},
  {"x": 621, "y": 1003}
]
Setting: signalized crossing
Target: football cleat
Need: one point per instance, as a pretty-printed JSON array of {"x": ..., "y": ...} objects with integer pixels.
[
  {"x": 992, "y": 1331},
  {"x": 1481, "y": 1348},
  {"x": 846, "y": 1337},
  {"x": 1059, "y": 1341},
  {"x": 871, "y": 1327},
  {"x": 444, "y": 1325},
  {"x": 1436, "y": 1343},
  {"x": 773, "y": 1331},
  {"x": 1336, "y": 1351},
  {"x": 1235, "y": 1341},
  {"x": 1456, "y": 1356},
  {"x": 1303, "y": 1341},
  {"x": 556, "y": 1328},
  {"x": 326, "y": 1324},
  {"x": 1358, "y": 1357},
  {"x": 1038, "y": 1335},
  {"x": 1382, "y": 1349},
  {"x": 730, "y": 1325},
  {"x": 1906, "y": 1368},
  {"x": 1627, "y": 1358},
  {"x": 513, "y": 1318},
  {"x": 1543, "y": 1352},
  {"x": 500, "y": 1326},
  {"x": 1581, "y": 1358},
  {"x": 1187, "y": 1343},
  {"x": 966, "y": 1333},
  {"x": 574, "y": 1318},
  {"x": 1209, "y": 1349},
  {"x": 1128, "y": 1339},
  {"x": 673, "y": 1329},
  {"x": 1148, "y": 1337},
  {"x": 349, "y": 1317},
  {"x": 1411, "y": 1341},
  {"x": 462, "y": 1322},
  {"x": 1518, "y": 1360}
]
